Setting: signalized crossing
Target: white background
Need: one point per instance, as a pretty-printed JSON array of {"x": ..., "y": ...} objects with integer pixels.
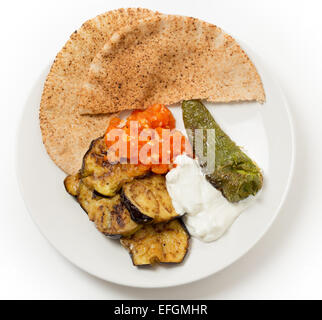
[{"x": 285, "y": 264}]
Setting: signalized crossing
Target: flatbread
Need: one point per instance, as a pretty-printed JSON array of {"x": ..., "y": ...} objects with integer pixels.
[
  {"x": 67, "y": 135},
  {"x": 168, "y": 59}
]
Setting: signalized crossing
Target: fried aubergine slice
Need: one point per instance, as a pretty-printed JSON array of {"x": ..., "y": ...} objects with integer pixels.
[
  {"x": 159, "y": 243},
  {"x": 233, "y": 173},
  {"x": 72, "y": 183},
  {"x": 148, "y": 200},
  {"x": 104, "y": 177},
  {"x": 109, "y": 215}
]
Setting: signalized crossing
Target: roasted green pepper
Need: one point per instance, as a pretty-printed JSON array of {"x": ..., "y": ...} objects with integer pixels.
[{"x": 234, "y": 173}]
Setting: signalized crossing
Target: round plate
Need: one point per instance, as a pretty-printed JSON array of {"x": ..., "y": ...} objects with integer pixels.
[{"x": 266, "y": 133}]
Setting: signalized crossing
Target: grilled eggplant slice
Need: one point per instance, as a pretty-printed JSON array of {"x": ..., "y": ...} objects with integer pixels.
[
  {"x": 148, "y": 200},
  {"x": 104, "y": 177},
  {"x": 109, "y": 215},
  {"x": 159, "y": 243},
  {"x": 113, "y": 219},
  {"x": 87, "y": 199},
  {"x": 72, "y": 183}
]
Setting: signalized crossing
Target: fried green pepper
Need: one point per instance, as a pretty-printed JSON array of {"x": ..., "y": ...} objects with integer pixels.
[{"x": 234, "y": 173}]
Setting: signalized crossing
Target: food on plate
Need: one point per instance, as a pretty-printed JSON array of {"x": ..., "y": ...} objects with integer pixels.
[
  {"x": 158, "y": 243},
  {"x": 148, "y": 200},
  {"x": 235, "y": 174},
  {"x": 109, "y": 214},
  {"x": 167, "y": 59},
  {"x": 65, "y": 133},
  {"x": 120, "y": 197},
  {"x": 104, "y": 177},
  {"x": 142, "y": 179},
  {"x": 208, "y": 214},
  {"x": 71, "y": 184}
]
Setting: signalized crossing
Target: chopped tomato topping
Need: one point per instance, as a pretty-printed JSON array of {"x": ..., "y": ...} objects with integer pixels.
[{"x": 148, "y": 139}]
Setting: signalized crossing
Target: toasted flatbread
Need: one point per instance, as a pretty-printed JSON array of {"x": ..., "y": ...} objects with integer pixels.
[
  {"x": 167, "y": 59},
  {"x": 66, "y": 134}
]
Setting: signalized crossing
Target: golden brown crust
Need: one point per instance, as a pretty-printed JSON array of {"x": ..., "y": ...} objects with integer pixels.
[
  {"x": 109, "y": 215},
  {"x": 104, "y": 177},
  {"x": 112, "y": 218},
  {"x": 148, "y": 200},
  {"x": 66, "y": 134},
  {"x": 72, "y": 183},
  {"x": 167, "y": 59},
  {"x": 159, "y": 243}
]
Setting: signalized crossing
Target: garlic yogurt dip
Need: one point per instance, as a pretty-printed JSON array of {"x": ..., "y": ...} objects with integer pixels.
[{"x": 208, "y": 214}]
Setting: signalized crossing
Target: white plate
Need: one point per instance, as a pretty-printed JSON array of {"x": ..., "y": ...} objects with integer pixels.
[{"x": 266, "y": 133}]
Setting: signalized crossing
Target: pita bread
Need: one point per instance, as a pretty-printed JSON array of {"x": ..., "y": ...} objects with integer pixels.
[
  {"x": 66, "y": 134},
  {"x": 168, "y": 59}
]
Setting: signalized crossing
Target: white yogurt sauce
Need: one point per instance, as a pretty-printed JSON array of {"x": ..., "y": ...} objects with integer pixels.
[{"x": 208, "y": 213}]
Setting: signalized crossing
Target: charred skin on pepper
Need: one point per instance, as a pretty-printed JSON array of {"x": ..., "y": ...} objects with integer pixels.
[{"x": 234, "y": 174}]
